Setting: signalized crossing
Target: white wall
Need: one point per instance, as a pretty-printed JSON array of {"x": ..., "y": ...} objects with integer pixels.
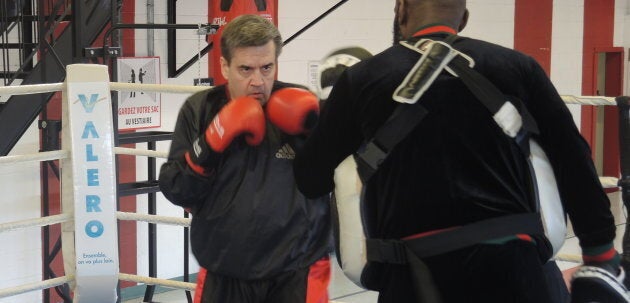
[
  {"x": 491, "y": 20},
  {"x": 566, "y": 49},
  {"x": 20, "y": 250},
  {"x": 366, "y": 23}
]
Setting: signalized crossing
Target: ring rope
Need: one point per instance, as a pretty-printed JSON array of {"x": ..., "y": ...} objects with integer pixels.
[
  {"x": 61, "y": 218},
  {"x": 156, "y": 281},
  {"x": 609, "y": 182},
  {"x": 157, "y": 88},
  {"x": 43, "y": 221},
  {"x": 12, "y": 291},
  {"x": 569, "y": 258},
  {"x": 126, "y": 216},
  {"x": 43, "y": 156},
  {"x": 31, "y": 89},
  {"x": 588, "y": 100},
  {"x": 188, "y": 89},
  {"x": 140, "y": 152}
]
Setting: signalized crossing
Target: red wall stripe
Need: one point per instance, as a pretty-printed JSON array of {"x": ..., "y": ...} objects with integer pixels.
[
  {"x": 127, "y": 164},
  {"x": 532, "y": 30},
  {"x": 613, "y": 87}
]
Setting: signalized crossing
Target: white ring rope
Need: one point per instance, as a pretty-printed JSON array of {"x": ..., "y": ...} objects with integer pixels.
[
  {"x": 126, "y": 216},
  {"x": 61, "y": 218},
  {"x": 12, "y": 291},
  {"x": 588, "y": 100},
  {"x": 30, "y": 89},
  {"x": 569, "y": 258},
  {"x": 116, "y": 86},
  {"x": 43, "y": 221},
  {"x": 189, "y": 89},
  {"x": 156, "y": 281},
  {"x": 609, "y": 182},
  {"x": 186, "y": 89},
  {"x": 43, "y": 156},
  {"x": 140, "y": 152},
  {"x": 157, "y": 88}
]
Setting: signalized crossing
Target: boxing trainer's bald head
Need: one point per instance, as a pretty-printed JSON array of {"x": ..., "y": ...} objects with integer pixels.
[{"x": 413, "y": 14}]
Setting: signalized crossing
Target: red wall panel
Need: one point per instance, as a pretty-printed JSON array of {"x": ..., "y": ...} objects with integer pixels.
[{"x": 532, "y": 30}]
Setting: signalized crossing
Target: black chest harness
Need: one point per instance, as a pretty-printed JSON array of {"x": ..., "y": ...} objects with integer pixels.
[{"x": 357, "y": 251}]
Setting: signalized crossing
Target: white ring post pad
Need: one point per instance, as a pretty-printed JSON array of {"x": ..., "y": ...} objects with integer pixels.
[{"x": 89, "y": 184}]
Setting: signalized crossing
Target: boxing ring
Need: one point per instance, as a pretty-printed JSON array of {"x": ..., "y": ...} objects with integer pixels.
[
  {"x": 91, "y": 267},
  {"x": 88, "y": 186}
]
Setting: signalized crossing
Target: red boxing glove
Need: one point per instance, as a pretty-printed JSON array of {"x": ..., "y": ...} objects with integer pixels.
[
  {"x": 241, "y": 116},
  {"x": 293, "y": 110}
]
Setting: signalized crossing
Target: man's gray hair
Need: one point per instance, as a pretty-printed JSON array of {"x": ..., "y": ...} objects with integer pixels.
[{"x": 246, "y": 31}]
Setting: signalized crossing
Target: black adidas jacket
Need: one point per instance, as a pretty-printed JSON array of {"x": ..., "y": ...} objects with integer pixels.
[
  {"x": 456, "y": 167},
  {"x": 249, "y": 220}
]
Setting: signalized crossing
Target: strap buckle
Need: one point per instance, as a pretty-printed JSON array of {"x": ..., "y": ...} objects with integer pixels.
[
  {"x": 372, "y": 155},
  {"x": 386, "y": 251}
]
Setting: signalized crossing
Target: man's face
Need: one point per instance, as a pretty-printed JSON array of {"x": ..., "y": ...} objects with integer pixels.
[{"x": 251, "y": 72}]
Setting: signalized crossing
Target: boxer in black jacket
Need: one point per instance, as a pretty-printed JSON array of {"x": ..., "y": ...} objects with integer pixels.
[
  {"x": 257, "y": 238},
  {"x": 457, "y": 167}
]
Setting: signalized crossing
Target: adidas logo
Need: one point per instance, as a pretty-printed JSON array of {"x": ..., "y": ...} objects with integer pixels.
[
  {"x": 197, "y": 148},
  {"x": 285, "y": 152}
]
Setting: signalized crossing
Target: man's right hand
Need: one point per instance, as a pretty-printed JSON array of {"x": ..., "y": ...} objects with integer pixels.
[{"x": 241, "y": 116}]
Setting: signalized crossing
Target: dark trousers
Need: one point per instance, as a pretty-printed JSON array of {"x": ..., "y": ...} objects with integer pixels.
[
  {"x": 510, "y": 272},
  {"x": 288, "y": 287}
]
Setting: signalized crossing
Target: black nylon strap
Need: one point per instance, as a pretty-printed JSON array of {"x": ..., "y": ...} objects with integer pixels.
[
  {"x": 399, "y": 125},
  {"x": 487, "y": 93},
  {"x": 402, "y": 121},
  {"x": 396, "y": 128},
  {"x": 425, "y": 289},
  {"x": 261, "y": 5},
  {"x": 481, "y": 87},
  {"x": 226, "y": 5},
  {"x": 406, "y": 117},
  {"x": 389, "y": 251}
]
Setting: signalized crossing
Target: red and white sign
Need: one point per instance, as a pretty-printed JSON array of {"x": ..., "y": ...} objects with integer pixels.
[{"x": 139, "y": 109}]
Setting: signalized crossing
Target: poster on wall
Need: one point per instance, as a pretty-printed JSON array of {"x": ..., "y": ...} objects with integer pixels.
[{"x": 139, "y": 109}]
